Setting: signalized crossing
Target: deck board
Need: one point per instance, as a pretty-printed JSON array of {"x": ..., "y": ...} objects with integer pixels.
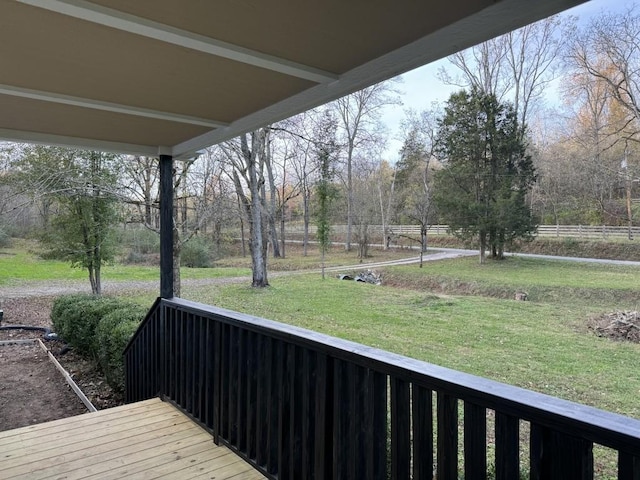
[{"x": 146, "y": 440}]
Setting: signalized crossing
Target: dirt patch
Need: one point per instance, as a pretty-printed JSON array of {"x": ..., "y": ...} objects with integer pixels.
[
  {"x": 32, "y": 390},
  {"x": 621, "y": 326}
]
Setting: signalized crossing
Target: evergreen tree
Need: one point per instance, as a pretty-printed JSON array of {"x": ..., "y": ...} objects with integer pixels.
[{"x": 481, "y": 190}]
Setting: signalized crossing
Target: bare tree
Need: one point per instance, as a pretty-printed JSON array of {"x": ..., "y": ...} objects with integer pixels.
[
  {"x": 248, "y": 163},
  {"x": 516, "y": 66},
  {"x": 415, "y": 168},
  {"x": 608, "y": 50},
  {"x": 359, "y": 116}
]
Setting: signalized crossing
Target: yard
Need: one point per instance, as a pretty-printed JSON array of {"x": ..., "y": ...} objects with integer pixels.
[{"x": 453, "y": 313}]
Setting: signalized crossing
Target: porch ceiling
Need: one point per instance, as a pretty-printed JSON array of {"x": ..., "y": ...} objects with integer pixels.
[{"x": 174, "y": 76}]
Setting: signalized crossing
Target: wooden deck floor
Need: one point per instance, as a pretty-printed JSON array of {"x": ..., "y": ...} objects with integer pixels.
[{"x": 144, "y": 440}]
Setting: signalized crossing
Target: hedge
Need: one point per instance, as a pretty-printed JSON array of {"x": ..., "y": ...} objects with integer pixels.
[
  {"x": 99, "y": 329},
  {"x": 112, "y": 335}
]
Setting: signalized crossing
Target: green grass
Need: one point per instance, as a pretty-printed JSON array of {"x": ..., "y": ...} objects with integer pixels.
[
  {"x": 453, "y": 313},
  {"x": 543, "y": 346},
  {"x": 18, "y": 265}
]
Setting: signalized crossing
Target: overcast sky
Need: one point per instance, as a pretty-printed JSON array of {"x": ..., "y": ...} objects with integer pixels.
[{"x": 421, "y": 87}]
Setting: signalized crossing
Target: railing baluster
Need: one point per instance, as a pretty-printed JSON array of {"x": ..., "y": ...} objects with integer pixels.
[
  {"x": 190, "y": 357},
  {"x": 323, "y": 417},
  {"x": 447, "y": 468},
  {"x": 422, "y": 411},
  {"x": 308, "y": 396},
  {"x": 225, "y": 366},
  {"x": 558, "y": 456},
  {"x": 340, "y": 420},
  {"x": 628, "y": 466},
  {"x": 507, "y": 447},
  {"x": 380, "y": 425},
  {"x": 400, "y": 429},
  {"x": 232, "y": 400},
  {"x": 216, "y": 344},
  {"x": 252, "y": 381},
  {"x": 272, "y": 414},
  {"x": 303, "y": 405},
  {"x": 296, "y": 400},
  {"x": 262, "y": 400},
  {"x": 241, "y": 397},
  {"x": 283, "y": 364},
  {"x": 182, "y": 367},
  {"x": 475, "y": 442}
]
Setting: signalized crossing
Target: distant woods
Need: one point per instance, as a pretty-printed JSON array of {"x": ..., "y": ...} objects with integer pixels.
[{"x": 493, "y": 160}]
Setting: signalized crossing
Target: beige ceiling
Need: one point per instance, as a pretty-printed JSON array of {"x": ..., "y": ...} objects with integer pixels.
[{"x": 174, "y": 76}]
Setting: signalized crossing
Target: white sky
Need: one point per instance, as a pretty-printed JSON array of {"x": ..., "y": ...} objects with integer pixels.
[{"x": 421, "y": 87}]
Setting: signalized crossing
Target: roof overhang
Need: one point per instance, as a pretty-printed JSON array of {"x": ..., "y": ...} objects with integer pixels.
[{"x": 174, "y": 76}]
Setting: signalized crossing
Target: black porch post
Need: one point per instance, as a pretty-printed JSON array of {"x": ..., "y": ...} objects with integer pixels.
[{"x": 166, "y": 226}]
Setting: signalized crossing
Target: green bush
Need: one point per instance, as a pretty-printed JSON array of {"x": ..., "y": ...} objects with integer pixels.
[
  {"x": 196, "y": 253},
  {"x": 76, "y": 317},
  {"x": 5, "y": 238},
  {"x": 112, "y": 335},
  {"x": 141, "y": 240}
]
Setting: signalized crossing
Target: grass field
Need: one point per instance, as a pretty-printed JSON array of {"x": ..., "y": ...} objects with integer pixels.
[
  {"x": 21, "y": 264},
  {"x": 453, "y": 313}
]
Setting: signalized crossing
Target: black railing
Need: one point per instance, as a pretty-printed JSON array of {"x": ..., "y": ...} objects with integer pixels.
[{"x": 302, "y": 405}]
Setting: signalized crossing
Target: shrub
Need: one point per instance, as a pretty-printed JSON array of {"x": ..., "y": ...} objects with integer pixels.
[
  {"x": 76, "y": 317},
  {"x": 5, "y": 238},
  {"x": 196, "y": 253},
  {"x": 141, "y": 240},
  {"x": 112, "y": 335}
]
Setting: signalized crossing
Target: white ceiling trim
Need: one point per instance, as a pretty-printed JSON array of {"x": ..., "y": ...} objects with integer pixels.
[
  {"x": 77, "y": 142},
  {"x": 141, "y": 26},
  {"x": 499, "y": 18},
  {"x": 107, "y": 106}
]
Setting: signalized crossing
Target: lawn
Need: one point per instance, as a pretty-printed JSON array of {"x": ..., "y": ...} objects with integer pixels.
[
  {"x": 541, "y": 345},
  {"x": 20, "y": 265}
]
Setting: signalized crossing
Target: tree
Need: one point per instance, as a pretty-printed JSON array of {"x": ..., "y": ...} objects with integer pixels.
[
  {"x": 414, "y": 171},
  {"x": 359, "y": 116},
  {"x": 325, "y": 146},
  {"x": 604, "y": 58},
  {"x": 516, "y": 66},
  {"x": 82, "y": 184},
  {"x": 608, "y": 50},
  {"x": 480, "y": 191},
  {"x": 248, "y": 162},
  {"x": 140, "y": 179}
]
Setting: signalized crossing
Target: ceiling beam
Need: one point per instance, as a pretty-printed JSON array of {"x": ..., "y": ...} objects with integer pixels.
[
  {"x": 147, "y": 28},
  {"x": 78, "y": 143},
  {"x": 107, "y": 106}
]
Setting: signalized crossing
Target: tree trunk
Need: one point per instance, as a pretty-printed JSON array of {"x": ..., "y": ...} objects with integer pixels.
[
  {"x": 177, "y": 254},
  {"x": 242, "y": 238},
  {"x": 256, "y": 244},
  {"x": 483, "y": 246},
  {"x": 306, "y": 217},
  {"x": 98, "y": 280},
  {"x": 347, "y": 240}
]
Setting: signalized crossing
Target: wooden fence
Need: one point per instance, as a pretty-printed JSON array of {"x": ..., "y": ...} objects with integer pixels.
[{"x": 603, "y": 232}]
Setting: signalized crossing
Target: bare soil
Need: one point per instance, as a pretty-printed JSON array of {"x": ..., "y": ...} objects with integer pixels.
[
  {"x": 32, "y": 390},
  {"x": 620, "y": 326}
]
